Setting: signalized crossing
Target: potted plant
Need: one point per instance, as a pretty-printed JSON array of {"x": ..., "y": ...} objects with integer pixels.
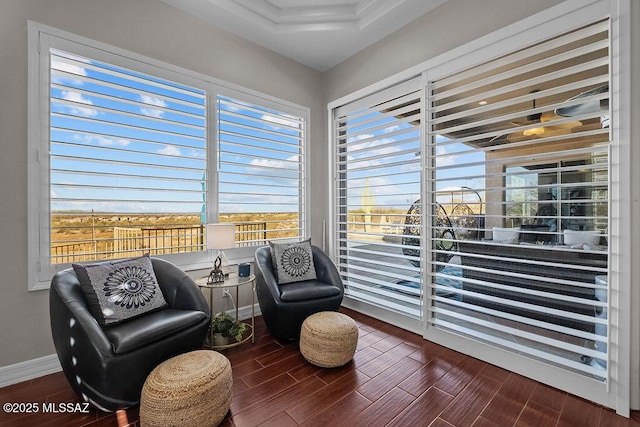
[{"x": 224, "y": 326}]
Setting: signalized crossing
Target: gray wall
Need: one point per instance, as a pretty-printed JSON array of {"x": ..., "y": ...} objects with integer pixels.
[
  {"x": 453, "y": 24},
  {"x": 147, "y": 27}
]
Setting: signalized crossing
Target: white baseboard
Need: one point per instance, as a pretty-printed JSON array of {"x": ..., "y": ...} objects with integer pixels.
[{"x": 29, "y": 369}]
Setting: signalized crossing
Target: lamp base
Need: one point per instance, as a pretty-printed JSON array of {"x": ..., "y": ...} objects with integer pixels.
[{"x": 217, "y": 276}]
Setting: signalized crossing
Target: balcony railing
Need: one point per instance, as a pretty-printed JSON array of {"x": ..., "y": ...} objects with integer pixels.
[{"x": 131, "y": 241}]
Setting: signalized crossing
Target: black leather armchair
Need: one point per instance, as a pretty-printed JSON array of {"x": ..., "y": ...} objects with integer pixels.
[
  {"x": 284, "y": 307},
  {"x": 108, "y": 367}
]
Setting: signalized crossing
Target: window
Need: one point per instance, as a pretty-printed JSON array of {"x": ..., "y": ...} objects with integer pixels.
[
  {"x": 378, "y": 187},
  {"x": 261, "y": 171},
  {"x": 131, "y": 156},
  {"x": 127, "y": 162}
]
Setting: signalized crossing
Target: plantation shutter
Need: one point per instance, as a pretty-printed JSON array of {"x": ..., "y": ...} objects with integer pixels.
[
  {"x": 518, "y": 173},
  {"x": 378, "y": 189},
  {"x": 261, "y": 176},
  {"x": 124, "y": 146}
]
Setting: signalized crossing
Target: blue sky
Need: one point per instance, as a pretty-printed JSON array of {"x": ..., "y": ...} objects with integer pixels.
[
  {"x": 385, "y": 161},
  {"x": 150, "y": 135}
]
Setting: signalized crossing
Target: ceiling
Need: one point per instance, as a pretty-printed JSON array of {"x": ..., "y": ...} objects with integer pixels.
[{"x": 317, "y": 33}]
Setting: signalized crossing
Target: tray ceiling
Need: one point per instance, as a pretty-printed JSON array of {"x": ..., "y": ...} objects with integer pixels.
[{"x": 317, "y": 33}]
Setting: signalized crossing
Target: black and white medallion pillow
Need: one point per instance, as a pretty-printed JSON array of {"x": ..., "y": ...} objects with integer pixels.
[
  {"x": 293, "y": 262},
  {"x": 120, "y": 290}
]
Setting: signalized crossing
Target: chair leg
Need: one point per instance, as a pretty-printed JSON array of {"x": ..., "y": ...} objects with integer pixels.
[{"x": 121, "y": 417}]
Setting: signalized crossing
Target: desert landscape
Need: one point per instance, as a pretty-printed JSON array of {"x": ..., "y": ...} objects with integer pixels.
[
  {"x": 86, "y": 236},
  {"x": 82, "y": 236}
]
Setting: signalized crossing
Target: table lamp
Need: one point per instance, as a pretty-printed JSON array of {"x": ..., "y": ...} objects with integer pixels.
[{"x": 220, "y": 236}]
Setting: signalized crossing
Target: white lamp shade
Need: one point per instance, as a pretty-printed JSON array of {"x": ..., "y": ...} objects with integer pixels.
[{"x": 221, "y": 236}]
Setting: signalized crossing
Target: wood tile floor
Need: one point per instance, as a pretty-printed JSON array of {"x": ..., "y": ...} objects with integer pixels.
[{"x": 395, "y": 379}]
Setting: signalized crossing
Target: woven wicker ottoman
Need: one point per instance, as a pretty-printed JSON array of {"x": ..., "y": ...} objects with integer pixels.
[
  {"x": 192, "y": 389},
  {"x": 328, "y": 339}
]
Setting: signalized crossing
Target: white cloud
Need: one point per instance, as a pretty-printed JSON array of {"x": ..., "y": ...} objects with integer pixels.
[
  {"x": 79, "y": 111},
  {"x": 410, "y": 167},
  {"x": 101, "y": 140},
  {"x": 450, "y": 189},
  {"x": 242, "y": 202},
  {"x": 197, "y": 154},
  {"x": 274, "y": 163},
  {"x": 152, "y": 112},
  {"x": 358, "y": 138},
  {"x": 169, "y": 150},
  {"x": 279, "y": 120},
  {"x": 230, "y": 107},
  {"x": 442, "y": 159},
  {"x": 67, "y": 68},
  {"x": 109, "y": 141}
]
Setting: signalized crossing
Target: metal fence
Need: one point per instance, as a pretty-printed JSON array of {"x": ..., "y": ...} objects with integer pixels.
[{"x": 130, "y": 241}]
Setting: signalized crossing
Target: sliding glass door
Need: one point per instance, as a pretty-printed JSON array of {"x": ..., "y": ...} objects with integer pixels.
[
  {"x": 378, "y": 184},
  {"x": 482, "y": 198},
  {"x": 527, "y": 136}
]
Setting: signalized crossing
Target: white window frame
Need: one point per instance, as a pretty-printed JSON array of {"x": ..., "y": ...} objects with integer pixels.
[{"x": 41, "y": 37}]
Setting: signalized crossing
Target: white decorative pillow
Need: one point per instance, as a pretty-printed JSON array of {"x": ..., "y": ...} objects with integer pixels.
[
  {"x": 583, "y": 237},
  {"x": 293, "y": 262},
  {"x": 120, "y": 290},
  {"x": 506, "y": 235}
]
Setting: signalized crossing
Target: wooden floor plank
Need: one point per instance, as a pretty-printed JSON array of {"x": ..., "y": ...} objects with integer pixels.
[
  {"x": 470, "y": 402},
  {"x": 261, "y": 392},
  {"x": 254, "y": 414},
  {"x": 508, "y": 403},
  {"x": 423, "y": 410},
  {"x": 389, "y": 378},
  {"x": 382, "y": 411},
  {"x": 421, "y": 380},
  {"x": 579, "y": 412},
  {"x": 325, "y": 397},
  {"x": 350, "y": 405},
  {"x": 535, "y": 415},
  {"x": 395, "y": 378}
]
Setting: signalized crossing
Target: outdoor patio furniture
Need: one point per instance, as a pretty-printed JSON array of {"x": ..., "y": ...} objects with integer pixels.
[{"x": 486, "y": 261}]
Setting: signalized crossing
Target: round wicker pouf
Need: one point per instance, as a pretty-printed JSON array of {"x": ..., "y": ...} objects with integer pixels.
[
  {"x": 192, "y": 389},
  {"x": 328, "y": 339}
]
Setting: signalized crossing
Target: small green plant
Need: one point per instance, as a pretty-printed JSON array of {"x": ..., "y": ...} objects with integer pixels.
[{"x": 226, "y": 325}]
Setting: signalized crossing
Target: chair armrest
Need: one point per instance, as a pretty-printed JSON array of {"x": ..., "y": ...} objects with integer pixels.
[
  {"x": 69, "y": 311},
  {"x": 264, "y": 272}
]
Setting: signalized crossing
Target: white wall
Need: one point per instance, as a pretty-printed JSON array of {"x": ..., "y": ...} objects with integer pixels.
[{"x": 146, "y": 27}]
